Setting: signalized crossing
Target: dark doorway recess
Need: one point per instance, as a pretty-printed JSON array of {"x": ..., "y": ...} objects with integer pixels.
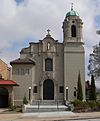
[
  {"x": 4, "y": 97},
  {"x": 48, "y": 90}
]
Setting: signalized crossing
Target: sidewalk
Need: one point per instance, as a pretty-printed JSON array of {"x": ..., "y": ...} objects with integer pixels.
[
  {"x": 48, "y": 116},
  {"x": 61, "y": 116},
  {"x": 88, "y": 115}
]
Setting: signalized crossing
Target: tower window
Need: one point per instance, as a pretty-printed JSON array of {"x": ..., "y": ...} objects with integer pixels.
[
  {"x": 73, "y": 31},
  {"x": 75, "y": 93},
  {"x": 48, "y": 64}
]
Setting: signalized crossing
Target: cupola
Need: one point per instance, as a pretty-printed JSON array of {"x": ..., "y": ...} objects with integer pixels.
[{"x": 72, "y": 12}]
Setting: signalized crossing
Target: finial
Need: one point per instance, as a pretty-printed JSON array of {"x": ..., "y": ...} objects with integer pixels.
[
  {"x": 48, "y": 32},
  {"x": 71, "y": 6}
]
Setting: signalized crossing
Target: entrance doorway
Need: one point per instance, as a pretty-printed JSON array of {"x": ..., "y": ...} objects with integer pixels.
[
  {"x": 4, "y": 97},
  {"x": 48, "y": 90}
]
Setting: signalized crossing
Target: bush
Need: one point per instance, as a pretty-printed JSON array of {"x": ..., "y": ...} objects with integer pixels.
[
  {"x": 92, "y": 104},
  {"x": 18, "y": 108},
  {"x": 98, "y": 104},
  {"x": 80, "y": 104},
  {"x": 25, "y": 100},
  {"x": 10, "y": 105},
  {"x": 77, "y": 103}
]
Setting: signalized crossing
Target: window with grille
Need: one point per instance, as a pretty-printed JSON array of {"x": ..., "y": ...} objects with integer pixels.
[{"x": 48, "y": 64}]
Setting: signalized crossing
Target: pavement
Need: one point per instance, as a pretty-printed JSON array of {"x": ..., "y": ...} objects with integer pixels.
[{"x": 48, "y": 116}]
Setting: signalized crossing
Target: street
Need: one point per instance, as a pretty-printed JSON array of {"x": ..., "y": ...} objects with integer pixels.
[
  {"x": 87, "y": 120},
  {"x": 52, "y": 120}
]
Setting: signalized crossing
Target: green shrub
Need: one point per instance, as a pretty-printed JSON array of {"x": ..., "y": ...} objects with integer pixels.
[
  {"x": 92, "y": 104},
  {"x": 25, "y": 100},
  {"x": 19, "y": 108},
  {"x": 10, "y": 105},
  {"x": 98, "y": 104},
  {"x": 80, "y": 104},
  {"x": 76, "y": 103}
]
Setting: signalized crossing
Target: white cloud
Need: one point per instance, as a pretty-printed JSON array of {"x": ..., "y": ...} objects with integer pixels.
[{"x": 32, "y": 18}]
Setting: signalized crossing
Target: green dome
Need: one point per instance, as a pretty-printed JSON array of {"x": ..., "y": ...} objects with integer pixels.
[{"x": 72, "y": 13}]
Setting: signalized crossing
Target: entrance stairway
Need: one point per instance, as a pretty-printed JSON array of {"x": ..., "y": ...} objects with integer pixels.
[{"x": 46, "y": 106}]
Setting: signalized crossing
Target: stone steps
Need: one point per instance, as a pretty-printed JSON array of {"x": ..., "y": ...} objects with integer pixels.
[
  {"x": 45, "y": 106},
  {"x": 47, "y": 102}
]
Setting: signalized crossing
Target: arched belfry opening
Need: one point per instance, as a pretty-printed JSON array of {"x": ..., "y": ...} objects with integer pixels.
[
  {"x": 73, "y": 31},
  {"x": 4, "y": 95},
  {"x": 48, "y": 90}
]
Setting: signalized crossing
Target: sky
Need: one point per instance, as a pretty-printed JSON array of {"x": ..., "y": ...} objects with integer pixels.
[{"x": 24, "y": 21}]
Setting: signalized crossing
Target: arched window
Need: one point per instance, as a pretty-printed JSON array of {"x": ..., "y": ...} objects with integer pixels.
[
  {"x": 48, "y": 64},
  {"x": 73, "y": 31}
]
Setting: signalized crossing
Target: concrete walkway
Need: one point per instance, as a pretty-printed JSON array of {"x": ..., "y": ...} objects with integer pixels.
[
  {"x": 48, "y": 116},
  {"x": 3, "y": 110},
  {"x": 65, "y": 115}
]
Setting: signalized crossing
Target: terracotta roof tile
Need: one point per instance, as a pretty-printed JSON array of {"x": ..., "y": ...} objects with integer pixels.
[
  {"x": 8, "y": 82},
  {"x": 22, "y": 61}
]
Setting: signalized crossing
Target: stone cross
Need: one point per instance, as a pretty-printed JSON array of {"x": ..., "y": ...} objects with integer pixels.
[{"x": 48, "y": 31}]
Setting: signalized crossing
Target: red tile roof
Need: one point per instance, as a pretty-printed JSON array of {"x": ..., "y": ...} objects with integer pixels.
[
  {"x": 22, "y": 61},
  {"x": 8, "y": 83}
]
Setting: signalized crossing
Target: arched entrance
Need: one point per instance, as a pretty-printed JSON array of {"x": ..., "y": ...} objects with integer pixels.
[
  {"x": 48, "y": 90},
  {"x": 4, "y": 97}
]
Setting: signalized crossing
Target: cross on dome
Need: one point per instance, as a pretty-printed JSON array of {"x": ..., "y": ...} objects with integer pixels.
[
  {"x": 71, "y": 6},
  {"x": 48, "y": 31}
]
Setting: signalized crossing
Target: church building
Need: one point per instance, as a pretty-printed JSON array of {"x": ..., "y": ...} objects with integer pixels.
[{"x": 48, "y": 69}]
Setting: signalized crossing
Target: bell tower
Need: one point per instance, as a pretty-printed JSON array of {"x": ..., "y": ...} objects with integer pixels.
[
  {"x": 74, "y": 62},
  {"x": 72, "y": 27}
]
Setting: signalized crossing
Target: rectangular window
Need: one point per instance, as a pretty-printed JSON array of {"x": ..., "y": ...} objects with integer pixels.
[
  {"x": 61, "y": 89},
  {"x": 17, "y": 71},
  {"x": 35, "y": 89},
  {"x": 22, "y": 71},
  {"x": 27, "y": 71}
]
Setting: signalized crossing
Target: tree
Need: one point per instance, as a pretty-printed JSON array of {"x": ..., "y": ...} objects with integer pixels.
[
  {"x": 93, "y": 89},
  {"x": 94, "y": 62},
  {"x": 79, "y": 89}
]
